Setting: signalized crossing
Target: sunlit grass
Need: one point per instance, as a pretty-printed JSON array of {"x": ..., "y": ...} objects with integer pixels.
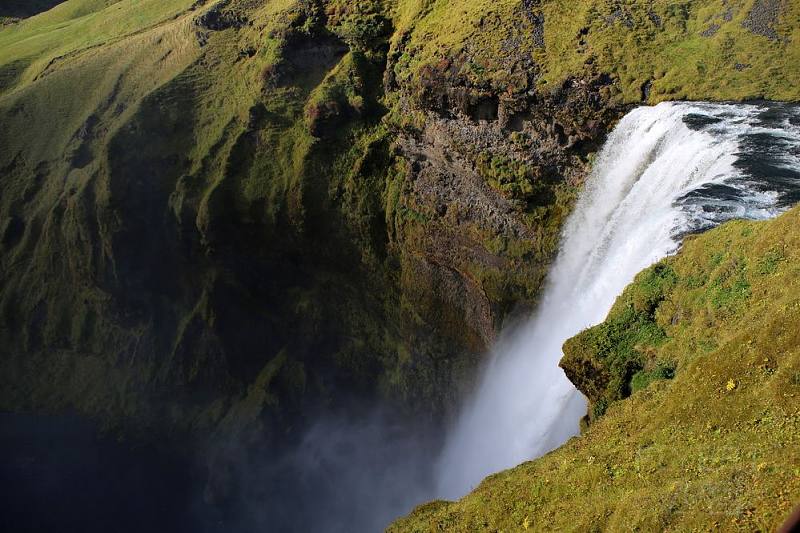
[{"x": 77, "y": 25}]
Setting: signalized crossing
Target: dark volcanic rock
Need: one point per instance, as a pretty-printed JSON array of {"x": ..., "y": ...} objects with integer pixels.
[
  {"x": 468, "y": 131},
  {"x": 536, "y": 18},
  {"x": 762, "y": 18},
  {"x": 622, "y": 16},
  {"x": 710, "y": 31},
  {"x": 218, "y": 18}
]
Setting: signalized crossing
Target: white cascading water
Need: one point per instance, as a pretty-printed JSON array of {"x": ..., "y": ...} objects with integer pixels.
[{"x": 665, "y": 171}]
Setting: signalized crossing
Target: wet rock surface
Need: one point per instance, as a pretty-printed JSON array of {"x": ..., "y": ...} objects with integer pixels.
[{"x": 546, "y": 138}]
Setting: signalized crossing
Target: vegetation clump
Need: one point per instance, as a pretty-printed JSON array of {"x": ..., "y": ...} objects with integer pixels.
[{"x": 610, "y": 361}]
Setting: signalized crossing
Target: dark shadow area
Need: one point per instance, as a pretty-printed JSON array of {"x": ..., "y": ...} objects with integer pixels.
[
  {"x": 348, "y": 473},
  {"x": 26, "y": 8},
  {"x": 59, "y": 473}
]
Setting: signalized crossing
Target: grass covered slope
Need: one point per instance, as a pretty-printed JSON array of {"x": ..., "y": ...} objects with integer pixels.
[
  {"x": 164, "y": 211},
  {"x": 32, "y": 46},
  {"x": 715, "y": 447},
  {"x": 199, "y": 218}
]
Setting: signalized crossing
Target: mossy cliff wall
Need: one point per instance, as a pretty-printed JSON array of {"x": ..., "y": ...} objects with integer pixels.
[{"x": 222, "y": 214}]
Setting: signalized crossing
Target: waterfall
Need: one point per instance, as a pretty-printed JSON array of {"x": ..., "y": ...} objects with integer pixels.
[{"x": 664, "y": 172}]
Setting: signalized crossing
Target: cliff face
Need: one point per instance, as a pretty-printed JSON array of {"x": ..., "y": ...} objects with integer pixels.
[
  {"x": 694, "y": 379},
  {"x": 228, "y": 197},
  {"x": 222, "y": 214}
]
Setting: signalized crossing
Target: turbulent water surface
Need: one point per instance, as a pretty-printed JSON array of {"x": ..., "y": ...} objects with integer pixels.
[{"x": 665, "y": 171}]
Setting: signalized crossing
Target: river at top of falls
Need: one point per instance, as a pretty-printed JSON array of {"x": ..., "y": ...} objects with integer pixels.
[{"x": 664, "y": 172}]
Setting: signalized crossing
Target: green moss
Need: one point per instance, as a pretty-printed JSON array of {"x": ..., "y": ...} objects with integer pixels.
[
  {"x": 638, "y": 43},
  {"x": 508, "y": 176},
  {"x": 643, "y": 378},
  {"x": 612, "y": 360}
]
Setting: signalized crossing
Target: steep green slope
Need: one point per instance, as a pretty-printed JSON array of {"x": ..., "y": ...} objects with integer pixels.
[
  {"x": 182, "y": 182},
  {"x": 34, "y": 45},
  {"x": 227, "y": 213},
  {"x": 715, "y": 447}
]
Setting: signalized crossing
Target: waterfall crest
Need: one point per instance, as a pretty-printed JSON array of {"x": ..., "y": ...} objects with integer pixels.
[{"x": 664, "y": 172}]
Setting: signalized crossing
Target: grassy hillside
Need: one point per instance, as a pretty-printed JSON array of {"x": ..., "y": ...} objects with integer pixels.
[
  {"x": 194, "y": 219},
  {"x": 30, "y": 47},
  {"x": 713, "y": 444}
]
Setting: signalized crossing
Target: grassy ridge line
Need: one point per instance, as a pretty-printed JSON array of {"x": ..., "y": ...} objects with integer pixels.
[
  {"x": 717, "y": 447},
  {"x": 118, "y": 74},
  {"x": 77, "y": 25}
]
